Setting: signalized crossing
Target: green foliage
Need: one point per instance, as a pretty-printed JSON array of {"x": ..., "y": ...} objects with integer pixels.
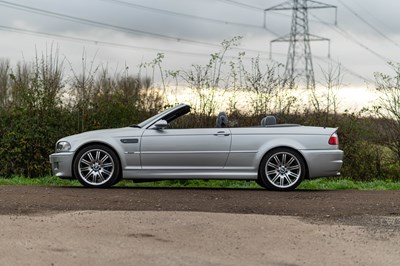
[
  {"x": 345, "y": 183},
  {"x": 32, "y": 116},
  {"x": 363, "y": 155},
  {"x": 36, "y": 110},
  {"x": 316, "y": 184},
  {"x": 27, "y": 140},
  {"x": 38, "y": 106},
  {"x": 42, "y": 181}
]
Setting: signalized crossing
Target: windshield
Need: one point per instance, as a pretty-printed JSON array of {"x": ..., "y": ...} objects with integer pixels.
[{"x": 158, "y": 116}]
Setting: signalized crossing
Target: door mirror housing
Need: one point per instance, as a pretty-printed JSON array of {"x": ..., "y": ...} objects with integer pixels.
[{"x": 161, "y": 124}]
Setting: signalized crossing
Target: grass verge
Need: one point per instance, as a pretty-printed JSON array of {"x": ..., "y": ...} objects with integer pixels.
[{"x": 317, "y": 184}]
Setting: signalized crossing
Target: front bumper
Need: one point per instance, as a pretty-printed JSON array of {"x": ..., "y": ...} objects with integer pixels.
[{"x": 61, "y": 164}]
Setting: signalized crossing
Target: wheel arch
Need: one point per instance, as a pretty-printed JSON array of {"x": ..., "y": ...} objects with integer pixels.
[
  {"x": 97, "y": 143},
  {"x": 284, "y": 147}
]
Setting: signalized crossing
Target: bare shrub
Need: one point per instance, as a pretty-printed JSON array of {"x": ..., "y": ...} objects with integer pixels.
[
  {"x": 4, "y": 83},
  {"x": 324, "y": 101},
  {"x": 266, "y": 89},
  {"x": 206, "y": 80},
  {"x": 34, "y": 117},
  {"x": 389, "y": 106}
]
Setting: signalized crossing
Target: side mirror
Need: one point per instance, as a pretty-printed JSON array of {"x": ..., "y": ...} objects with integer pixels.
[{"x": 161, "y": 124}]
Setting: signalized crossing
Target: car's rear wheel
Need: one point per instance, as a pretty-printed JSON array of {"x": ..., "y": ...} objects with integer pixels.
[
  {"x": 97, "y": 166},
  {"x": 281, "y": 169}
]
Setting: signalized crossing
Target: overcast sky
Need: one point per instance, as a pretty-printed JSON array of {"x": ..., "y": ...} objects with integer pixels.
[{"x": 128, "y": 32}]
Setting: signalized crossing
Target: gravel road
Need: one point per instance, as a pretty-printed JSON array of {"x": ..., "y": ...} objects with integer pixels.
[{"x": 153, "y": 226}]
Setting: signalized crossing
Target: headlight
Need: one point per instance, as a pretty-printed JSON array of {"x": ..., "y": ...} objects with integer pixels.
[{"x": 63, "y": 146}]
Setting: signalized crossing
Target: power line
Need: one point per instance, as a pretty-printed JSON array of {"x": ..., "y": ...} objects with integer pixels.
[
  {"x": 177, "y": 14},
  {"x": 100, "y": 43},
  {"x": 370, "y": 14},
  {"x": 369, "y": 24},
  {"x": 240, "y": 4},
  {"x": 346, "y": 69},
  {"x": 350, "y": 37},
  {"x": 98, "y": 24},
  {"x": 110, "y": 26},
  {"x": 134, "y": 47},
  {"x": 340, "y": 30},
  {"x": 90, "y": 41},
  {"x": 173, "y": 13}
]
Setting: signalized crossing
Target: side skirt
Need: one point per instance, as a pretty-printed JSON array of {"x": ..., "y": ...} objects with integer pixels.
[{"x": 188, "y": 174}]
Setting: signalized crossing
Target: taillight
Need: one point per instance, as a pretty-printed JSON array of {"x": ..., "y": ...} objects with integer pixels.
[{"x": 334, "y": 139}]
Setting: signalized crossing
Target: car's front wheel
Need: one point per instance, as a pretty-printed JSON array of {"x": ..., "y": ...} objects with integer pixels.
[
  {"x": 96, "y": 166},
  {"x": 281, "y": 169}
]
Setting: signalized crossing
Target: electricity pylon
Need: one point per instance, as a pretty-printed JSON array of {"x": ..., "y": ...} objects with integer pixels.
[{"x": 299, "y": 67}]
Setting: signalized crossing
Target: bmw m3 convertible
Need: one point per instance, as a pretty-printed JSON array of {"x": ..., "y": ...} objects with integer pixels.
[{"x": 276, "y": 156}]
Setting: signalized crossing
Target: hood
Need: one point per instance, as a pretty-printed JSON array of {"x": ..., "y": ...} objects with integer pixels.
[{"x": 102, "y": 135}]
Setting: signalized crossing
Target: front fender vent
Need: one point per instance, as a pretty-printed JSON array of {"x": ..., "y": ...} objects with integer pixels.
[{"x": 130, "y": 141}]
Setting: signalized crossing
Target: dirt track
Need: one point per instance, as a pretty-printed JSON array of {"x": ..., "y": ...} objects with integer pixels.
[
  {"x": 151, "y": 226},
  {"x": 306, "y": 204}
]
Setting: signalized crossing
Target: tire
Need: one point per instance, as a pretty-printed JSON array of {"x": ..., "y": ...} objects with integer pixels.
[
  {"x": 258, "y": 181},
  {"x": 97, "y": 166},
  {"x": 281, "y": 170}
]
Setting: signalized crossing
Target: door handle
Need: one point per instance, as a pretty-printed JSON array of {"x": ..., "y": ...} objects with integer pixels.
[{"x": 222, "y": 133}]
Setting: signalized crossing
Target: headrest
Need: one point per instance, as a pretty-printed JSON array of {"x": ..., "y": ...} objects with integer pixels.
[
  {"x": 222, "y": 120},
  {"x": 268, "y": 121}
]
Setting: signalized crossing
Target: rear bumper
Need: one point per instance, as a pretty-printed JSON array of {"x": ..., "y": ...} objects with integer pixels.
[
  {"x": 61, "y": 164},
  {"x": 323, "y": 163}
]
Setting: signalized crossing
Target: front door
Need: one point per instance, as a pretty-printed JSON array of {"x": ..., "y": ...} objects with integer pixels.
[{"x": 200, "y": 148}]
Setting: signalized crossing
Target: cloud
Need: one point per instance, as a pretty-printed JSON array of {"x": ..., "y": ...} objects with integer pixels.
[{"x": 188, "y": 27}]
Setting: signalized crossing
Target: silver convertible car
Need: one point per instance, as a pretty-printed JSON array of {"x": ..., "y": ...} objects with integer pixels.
[{"x": 276, "y": 156}]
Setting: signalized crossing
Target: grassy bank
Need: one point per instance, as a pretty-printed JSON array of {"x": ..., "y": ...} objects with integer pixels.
[{"x": 318, "y": 184}]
